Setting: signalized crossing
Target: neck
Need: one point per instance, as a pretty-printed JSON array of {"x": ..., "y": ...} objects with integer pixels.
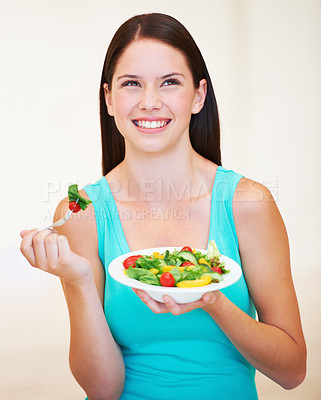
[{"x": 163, "y": 178}]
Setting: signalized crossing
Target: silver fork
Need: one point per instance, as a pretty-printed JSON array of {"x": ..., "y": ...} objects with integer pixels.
[{"x": 60, "y": 221}]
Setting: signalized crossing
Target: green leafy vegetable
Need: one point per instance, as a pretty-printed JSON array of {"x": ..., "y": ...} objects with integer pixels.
[
  {"x": 213, "y": 250},
  {"x": 195, "y": 273},
  {"x": 166, "y": 256},
  {"x": 143, "y": 275},
  {"x": 74, "y": 196},
  {"x": 176, "y": 274},
  {"x": 199, "y": 255},
  {"x": 147, "y": 262}
]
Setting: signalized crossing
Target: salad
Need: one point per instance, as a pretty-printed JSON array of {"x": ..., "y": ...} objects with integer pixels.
[
  {"x": 76, "y": 202},
  {"x": 184, "y": 268}
]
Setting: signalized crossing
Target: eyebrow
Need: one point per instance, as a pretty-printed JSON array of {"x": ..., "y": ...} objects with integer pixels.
[{"x": 139, "y": 77}]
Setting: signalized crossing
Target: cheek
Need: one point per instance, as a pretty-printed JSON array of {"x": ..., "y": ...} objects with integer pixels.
[
  {"x": 182, "y": 104},
  {"x": 122, "y": 104}
]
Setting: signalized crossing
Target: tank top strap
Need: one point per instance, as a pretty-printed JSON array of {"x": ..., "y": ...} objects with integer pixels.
[
  {"x": 226, "y": 182},
  {"x": 222, "y": 224}
]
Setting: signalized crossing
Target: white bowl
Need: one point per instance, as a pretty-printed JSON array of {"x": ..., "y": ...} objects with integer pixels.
[{"x": 180, "y": 295}]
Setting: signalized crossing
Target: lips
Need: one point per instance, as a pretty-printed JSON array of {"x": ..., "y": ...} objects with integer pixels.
[{"x": 151, "y": 124}]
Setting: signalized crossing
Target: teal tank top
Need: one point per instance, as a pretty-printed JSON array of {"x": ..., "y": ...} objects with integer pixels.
[{"x": 184, "y": 357}]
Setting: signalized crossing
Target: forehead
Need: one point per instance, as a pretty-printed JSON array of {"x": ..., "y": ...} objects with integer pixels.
[{"x": 150, "y": 55}]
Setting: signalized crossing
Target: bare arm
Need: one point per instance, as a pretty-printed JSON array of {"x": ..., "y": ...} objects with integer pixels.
[
  {"x": 275, "y": 344},
  {"x": 95, "y": 359}
]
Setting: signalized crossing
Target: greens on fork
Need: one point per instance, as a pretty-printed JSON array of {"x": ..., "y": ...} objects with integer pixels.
[{"x": 76, "y": 203}]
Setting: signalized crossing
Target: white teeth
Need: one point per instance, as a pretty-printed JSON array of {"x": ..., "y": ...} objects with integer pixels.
[{"x": 151, "y": 124}]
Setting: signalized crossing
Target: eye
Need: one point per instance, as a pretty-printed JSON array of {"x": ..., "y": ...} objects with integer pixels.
[
  {"x": 171, "y": 81},
  {"x": 130, "y": 83}
]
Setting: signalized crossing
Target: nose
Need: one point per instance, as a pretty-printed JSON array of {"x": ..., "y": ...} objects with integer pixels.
[{"x": 150, "y": 99}]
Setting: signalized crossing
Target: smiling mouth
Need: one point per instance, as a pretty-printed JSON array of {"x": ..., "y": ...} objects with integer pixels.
[{"x": 151, "y": 124}]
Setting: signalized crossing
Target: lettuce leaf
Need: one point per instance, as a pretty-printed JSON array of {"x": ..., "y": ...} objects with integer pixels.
[
  {"x": 213, "y": 251},
  {"x": 143, "y": 275},
  {"x": 176, "y": 274},
  {"x": 74, "y": 195},
  {"x": 147, "y": 263}
]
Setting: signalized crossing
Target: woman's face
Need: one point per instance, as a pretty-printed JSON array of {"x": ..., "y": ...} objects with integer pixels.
[{"x": 152, "y": 96}]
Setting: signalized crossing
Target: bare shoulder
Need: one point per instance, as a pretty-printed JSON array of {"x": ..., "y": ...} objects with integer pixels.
[
  {"x": 254, "y": 204},
  {"x": 80, "y": 229},
  {"x": 251, "y": 196}
]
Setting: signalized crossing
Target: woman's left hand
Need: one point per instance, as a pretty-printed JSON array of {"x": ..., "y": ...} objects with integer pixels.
[{"x": 171, "y": 306}]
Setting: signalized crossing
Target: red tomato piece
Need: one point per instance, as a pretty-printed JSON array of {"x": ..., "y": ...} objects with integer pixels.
[
  {"x": 130, "y": 261},
  {"x": 187, "y": 248},
  {"x": 74, "y": 207},
  {"x": 217, "y": 269},
  {"x": 186, "y": 264},
  {"x": 167, "y": 279}
]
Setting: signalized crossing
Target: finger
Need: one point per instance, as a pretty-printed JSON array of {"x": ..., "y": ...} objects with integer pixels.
[
  {"x": 209, "y": 298},
  {"x": 155, "y": 306},
  {"x": 40, "y": 249},
  {"x": 63, "y": 248},
  {"x": 192, "y": 306},
  {"x": 51, "y": 248},
  {"x": 177, "y": 309},
  {"x": 172, "y": 306},
  {"x": 26, "y": 246},
  {"x": 24, "y": 231}
]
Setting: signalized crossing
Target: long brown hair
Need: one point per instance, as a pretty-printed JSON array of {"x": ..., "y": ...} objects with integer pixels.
[{"x": 204, "y": 127}]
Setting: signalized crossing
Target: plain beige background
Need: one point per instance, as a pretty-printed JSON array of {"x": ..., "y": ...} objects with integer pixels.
[{"x": 264, "y": 57}]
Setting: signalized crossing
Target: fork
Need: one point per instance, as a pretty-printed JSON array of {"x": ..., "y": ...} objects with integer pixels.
[{"x": 60, "y": 221}]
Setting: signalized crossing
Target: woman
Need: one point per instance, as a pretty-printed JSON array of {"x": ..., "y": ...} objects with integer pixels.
[{"x": 161, "y": 150}]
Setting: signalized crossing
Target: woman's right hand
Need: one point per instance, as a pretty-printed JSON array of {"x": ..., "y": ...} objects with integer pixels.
[{"x": 51, "y": 252}]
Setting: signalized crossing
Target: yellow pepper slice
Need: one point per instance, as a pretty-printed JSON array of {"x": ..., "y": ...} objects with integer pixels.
[
  {"x": 154, "y": 271},
  {"x": 156, "y": 254},
  {"x": 204, "y": 280},
  {"x": 168, "y": 268},
  {"x": 203, "y": 261}
]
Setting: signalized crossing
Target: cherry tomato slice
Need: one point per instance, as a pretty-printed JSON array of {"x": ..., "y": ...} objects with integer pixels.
[
  {"x": 217, "y": 269},
  {"x": 167, "y": 279},
  {"x": 75, "y": 207},
  {"x": 187, "y": 264},
  {"x": 187, "y": 248},
  {"x": 130, "y": 261}
]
